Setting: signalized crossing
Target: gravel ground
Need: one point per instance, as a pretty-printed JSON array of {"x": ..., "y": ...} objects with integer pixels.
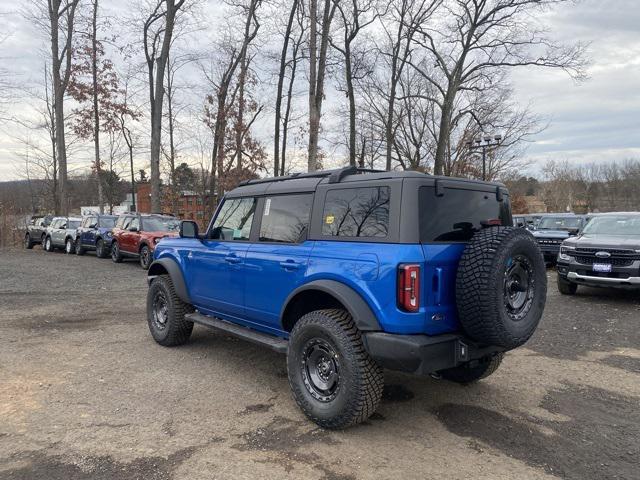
[{"x": 86, "y": 394}]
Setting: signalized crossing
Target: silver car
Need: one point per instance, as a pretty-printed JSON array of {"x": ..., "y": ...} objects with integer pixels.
[{"x": 61, "y": 233}]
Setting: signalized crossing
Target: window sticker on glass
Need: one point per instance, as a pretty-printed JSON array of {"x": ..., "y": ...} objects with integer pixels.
[
  {"x": 329, "y": 219},
  {"x": 267, "y": 207}
]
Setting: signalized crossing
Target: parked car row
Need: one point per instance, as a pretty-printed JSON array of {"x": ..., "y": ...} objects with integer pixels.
[{"x": 132, "y": 235}]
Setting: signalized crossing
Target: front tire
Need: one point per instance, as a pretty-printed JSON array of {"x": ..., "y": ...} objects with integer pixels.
[
  {"x": 79, "y": 248},
  {"x": 333, "y": 379},
  {"x": 466, "y": 373},
  {"x": 116, "y": 256},
  {"x": 101, "y": 249},
  {"x": 28, "y": 244},
  {"x": 145, "y": 257},
  {"x": 48, "y": 245},
  {"x": 565, "y": 287},
  {"x": 166, "y": 312}
]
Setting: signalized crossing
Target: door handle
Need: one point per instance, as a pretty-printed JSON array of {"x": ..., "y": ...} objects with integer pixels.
[
  {"x": 232, "y": 259},
  {"x": 290, "y": 265}
]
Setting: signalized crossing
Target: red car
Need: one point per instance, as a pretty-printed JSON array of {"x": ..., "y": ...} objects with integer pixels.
[{"x": 136, "y": 235}]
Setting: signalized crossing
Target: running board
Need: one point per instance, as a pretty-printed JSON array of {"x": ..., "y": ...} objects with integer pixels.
[{"x": 275, "y": 343}]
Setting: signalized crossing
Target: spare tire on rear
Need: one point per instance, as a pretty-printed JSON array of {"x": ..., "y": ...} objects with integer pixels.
[{"x": 501, "y": 287}]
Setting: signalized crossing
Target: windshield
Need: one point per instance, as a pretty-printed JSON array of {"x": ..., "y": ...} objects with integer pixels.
[
  {"x": 73, "y": 224},
  {"x": 160, "y": 224},
  {"x": 614, "y": 225},
  {"x": 559, "y": 223},
  {"x": 107, "y": 222}
]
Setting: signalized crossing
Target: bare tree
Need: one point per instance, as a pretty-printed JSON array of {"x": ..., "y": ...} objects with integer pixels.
[
  {"x": 61, "y": 14},
  {"x": 281, "y": 77},
  {"x": 317, "y": 71},
  {"x": 157, "y": 38},
  {"x": 354, "y": 18},
  {"x": 474, "y": 43},
  {"x": 218, "y": 105}
]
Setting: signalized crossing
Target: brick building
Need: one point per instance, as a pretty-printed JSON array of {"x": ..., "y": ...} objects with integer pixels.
[{"x": 188, "y": 206}]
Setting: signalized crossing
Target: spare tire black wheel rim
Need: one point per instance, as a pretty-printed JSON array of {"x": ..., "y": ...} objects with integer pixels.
[
  {"x": 320, "y": 370},
  {"x": 519, "y": 286},
  {"x": 160, "y": 311}
]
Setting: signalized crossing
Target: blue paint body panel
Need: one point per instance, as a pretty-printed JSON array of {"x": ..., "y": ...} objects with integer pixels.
[{"x": 248, "y": 283}]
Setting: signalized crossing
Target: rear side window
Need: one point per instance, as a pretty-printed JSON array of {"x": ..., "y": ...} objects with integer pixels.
[
  {"x": 458, "y": 214},
  {"x": 285, "y": 218},
  {"x": 356, "y": 212},
  {"x": 73, "y": 224},
  {"x": 234, "y": 219}
]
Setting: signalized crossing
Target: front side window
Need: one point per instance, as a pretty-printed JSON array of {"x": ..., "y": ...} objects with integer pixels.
[
  {"x": 356, "y": 212},
  {"x": 135, "y": 223},
  {"x": 107, "y": 222},
  {"x": 234, "y": 219},
  {"x": 285, "y": 218}
]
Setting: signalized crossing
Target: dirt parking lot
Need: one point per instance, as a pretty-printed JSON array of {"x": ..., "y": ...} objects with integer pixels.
[{"x": 85, "y": 393}]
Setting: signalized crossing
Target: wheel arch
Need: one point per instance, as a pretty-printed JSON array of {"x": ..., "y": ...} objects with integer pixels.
[
  {"x": 321, "y": 294},
  {"x": 168, "y": 266}
]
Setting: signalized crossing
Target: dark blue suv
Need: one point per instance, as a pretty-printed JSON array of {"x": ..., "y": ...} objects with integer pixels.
[
  {"x": 349, "y": 272},
  {"x": 94, "y": 233}
]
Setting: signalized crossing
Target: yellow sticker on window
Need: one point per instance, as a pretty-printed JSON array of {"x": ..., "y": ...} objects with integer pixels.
[{"x": 329, "y": 219}]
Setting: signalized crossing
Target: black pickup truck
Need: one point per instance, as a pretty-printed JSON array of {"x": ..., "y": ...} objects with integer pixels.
[{"x": 606, "y": 253}]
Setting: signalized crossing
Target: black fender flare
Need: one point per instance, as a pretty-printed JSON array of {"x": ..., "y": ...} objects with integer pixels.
[
  {"x": 169, "y": 265},
  {"x": 362, "y": 315}
]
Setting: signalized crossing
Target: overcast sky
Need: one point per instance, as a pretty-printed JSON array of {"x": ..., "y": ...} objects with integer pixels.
[{"x": 595, "y": 121}]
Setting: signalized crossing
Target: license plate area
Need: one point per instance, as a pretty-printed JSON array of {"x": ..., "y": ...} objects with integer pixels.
[{"x": 602, "y": 267}]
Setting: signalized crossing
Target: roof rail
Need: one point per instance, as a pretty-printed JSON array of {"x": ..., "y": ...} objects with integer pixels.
[{"x": 335, "y": 176}]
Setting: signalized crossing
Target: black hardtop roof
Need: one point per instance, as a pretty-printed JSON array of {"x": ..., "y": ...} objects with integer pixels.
[{"x": 306, "y": 182}]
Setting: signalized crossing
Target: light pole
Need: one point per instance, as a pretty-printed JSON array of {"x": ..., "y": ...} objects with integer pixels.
[{"x": 484, "y": 143}]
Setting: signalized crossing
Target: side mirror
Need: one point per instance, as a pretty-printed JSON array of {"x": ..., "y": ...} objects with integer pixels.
[
  {"x": 133, "y": 229},
  {"x": 188, "y": 229}
]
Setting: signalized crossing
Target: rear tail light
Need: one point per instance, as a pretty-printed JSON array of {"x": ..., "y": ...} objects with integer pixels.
[{"x": 409, "y": 287}]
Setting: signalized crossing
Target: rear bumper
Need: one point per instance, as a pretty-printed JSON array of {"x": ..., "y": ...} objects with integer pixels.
[{"x": 423, "y": 354}]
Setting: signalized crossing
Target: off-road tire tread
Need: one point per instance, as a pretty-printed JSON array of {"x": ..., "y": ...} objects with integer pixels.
[
  {"x": 179, "y": 328},
  {"x": 366, "y": 396},
  {"x": 475, "y": 297},
  {"x": 465, "y": 375}
]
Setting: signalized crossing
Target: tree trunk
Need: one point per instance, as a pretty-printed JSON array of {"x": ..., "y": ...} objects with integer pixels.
[
  {"x": 156, "y": 97},
  {"x": 281, "y": 74},
  {"x": 444, "y": 132},
  {"x": 313, "y": 65},
  {"x": 352, "y": 103},
  {"x": 96, "y": 113},
  {"x": 240, "y": 119}
]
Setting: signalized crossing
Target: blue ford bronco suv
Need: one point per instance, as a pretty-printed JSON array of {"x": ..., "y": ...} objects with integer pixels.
[
  {"x": 348, "y": 272},
  {"x": 94, "y": 233}
]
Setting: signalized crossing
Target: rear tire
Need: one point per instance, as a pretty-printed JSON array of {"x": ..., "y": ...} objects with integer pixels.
[
  {"x": 165, "y": 313},
  {"x": 565, "y": 287},
  {"x": 146, "y": 257},
  {"x": 333, "y": 379},
  {"x": 28, "y": 244},
  {"x": 116, "y": 256},
  {"x": 465, "y": 374}
]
